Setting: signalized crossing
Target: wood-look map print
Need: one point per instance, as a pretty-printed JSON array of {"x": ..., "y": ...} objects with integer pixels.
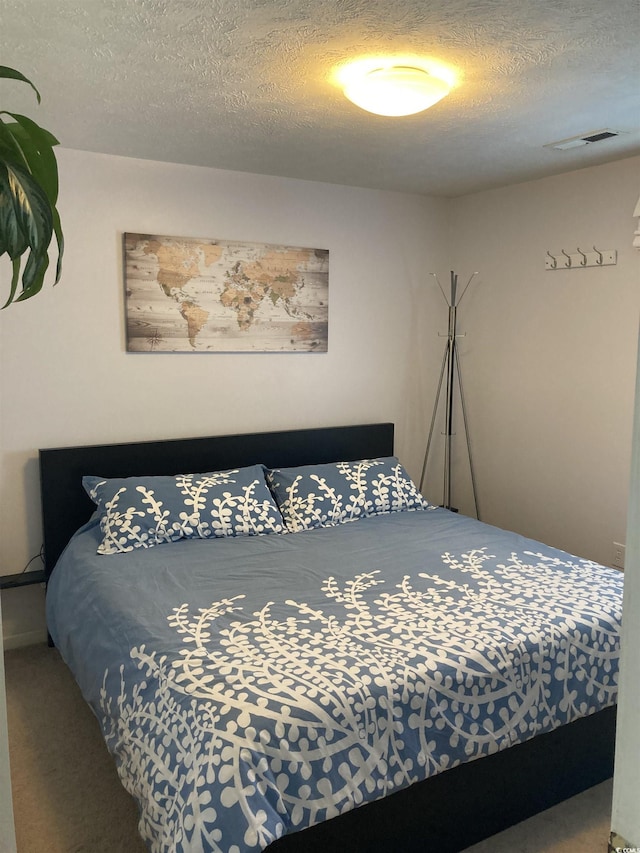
[{"x": 200, "y": 295}]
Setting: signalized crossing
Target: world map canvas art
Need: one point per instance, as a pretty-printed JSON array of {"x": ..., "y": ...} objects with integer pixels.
[{"x": 184, "y": 294}]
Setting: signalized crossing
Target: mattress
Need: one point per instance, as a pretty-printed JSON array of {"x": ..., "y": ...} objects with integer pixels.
[{"x": 250, "y": 687}]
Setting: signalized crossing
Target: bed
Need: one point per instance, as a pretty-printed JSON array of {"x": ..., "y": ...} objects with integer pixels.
[{"x": 364, "y": 674}]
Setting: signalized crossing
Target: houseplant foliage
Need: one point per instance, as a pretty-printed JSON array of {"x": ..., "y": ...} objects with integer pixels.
[{"x": 28, "y": 196}]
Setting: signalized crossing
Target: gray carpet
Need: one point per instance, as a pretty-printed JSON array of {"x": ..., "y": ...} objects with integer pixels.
[
  {"x": 66, "y": 793},
  {"x": 68, "y": 799}
]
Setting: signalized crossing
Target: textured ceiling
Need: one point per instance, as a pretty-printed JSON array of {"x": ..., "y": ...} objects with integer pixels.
[{"x": 248, "y": 84}]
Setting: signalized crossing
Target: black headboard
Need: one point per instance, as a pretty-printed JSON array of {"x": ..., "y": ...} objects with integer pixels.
[{"x": 66, "y": 506}]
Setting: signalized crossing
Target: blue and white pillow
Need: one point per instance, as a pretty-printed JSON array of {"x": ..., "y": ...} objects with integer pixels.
[
  {"x": 334, "y": 493},
  {"x": 140, "y": 512}
]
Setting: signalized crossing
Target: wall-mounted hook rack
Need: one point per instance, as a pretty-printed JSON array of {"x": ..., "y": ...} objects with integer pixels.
[{"x": 580, "y": 260}]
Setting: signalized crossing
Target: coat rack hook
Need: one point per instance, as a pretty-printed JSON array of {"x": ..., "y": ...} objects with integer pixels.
[
  {"x": 599, "y": 259},
  {"x": 567, "y": 263},
  {"x": 554, "y": 261},
  {"x": 583, "y": 262}
]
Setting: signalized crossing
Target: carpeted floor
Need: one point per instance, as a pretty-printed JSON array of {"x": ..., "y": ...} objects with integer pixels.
[
  {"x": 66, "y": 793},
  {"x": 68, "y": 799}
]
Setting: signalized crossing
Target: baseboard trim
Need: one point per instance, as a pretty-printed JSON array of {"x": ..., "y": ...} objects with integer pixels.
[{"x": 29, "y": 638}]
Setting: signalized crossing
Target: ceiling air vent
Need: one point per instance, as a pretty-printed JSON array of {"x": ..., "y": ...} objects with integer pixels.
[
  {"x": 585, "y": 139},
  {"x": 600, "y": 135}
]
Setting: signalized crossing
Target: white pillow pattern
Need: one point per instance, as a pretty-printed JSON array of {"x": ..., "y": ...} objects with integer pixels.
[
  {"x": 326, "y": 495},
  {"x": 140, "y": 512}
]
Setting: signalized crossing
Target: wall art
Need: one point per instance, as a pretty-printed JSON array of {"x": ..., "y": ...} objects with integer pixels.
[{"x": 203, "y": 295}]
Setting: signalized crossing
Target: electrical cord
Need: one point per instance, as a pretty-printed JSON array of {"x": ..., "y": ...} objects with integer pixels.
[{"x": 39, "y": 555}]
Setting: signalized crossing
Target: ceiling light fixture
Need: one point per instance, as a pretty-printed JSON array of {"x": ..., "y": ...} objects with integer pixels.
[{"x": 396, "y": 90}]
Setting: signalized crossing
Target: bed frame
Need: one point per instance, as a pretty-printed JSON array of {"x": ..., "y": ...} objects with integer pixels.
[{"x": 446, "y": 813}]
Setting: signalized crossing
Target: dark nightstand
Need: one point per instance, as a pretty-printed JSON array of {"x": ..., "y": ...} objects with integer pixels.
[{"x": 21, "y": 579}]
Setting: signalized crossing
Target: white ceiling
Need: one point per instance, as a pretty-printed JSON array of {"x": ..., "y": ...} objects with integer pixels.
[{"x": 247, "y": 85}]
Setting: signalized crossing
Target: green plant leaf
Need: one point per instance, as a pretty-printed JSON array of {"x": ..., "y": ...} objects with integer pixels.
[
  {"x": 13, "y": 240},
  {"x": 14, "y": 281},
  {"x": 57, "y": 230},
  {"x": 28, "y": 197},
  {"x": 27, "y": 216},
  {"x": 35, "y": 146},
  {"x": 33, "y": 274},
  {"x": 10, "y": 151},
  {"x": 12, "y": 74},
  {"x": 31, "y": 205},
  {"x": 49, "y": 140}
]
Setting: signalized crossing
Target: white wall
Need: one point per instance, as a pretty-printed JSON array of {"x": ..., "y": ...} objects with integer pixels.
[
  {"x": 548, "y": 360},
  {"x": 66, "y": 378}
]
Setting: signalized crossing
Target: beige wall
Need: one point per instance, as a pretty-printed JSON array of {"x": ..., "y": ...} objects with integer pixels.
[
  {"x": 66, "y": 378},
  {"x": 549, "y": 364},
  {"x": 548, "y": 360}
]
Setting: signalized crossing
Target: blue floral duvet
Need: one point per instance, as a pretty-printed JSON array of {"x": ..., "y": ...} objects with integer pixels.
[{"x": 253, "y": 686}]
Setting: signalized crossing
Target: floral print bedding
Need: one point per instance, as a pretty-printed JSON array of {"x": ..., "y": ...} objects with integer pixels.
[{"x": 254, "y": 686}]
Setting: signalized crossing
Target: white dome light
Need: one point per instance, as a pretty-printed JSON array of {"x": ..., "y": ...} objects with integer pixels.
[{"x": 398, "y": 90}]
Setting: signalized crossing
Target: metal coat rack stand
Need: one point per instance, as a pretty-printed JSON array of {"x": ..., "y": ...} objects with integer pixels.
[{"x": 451, "y": 369}]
